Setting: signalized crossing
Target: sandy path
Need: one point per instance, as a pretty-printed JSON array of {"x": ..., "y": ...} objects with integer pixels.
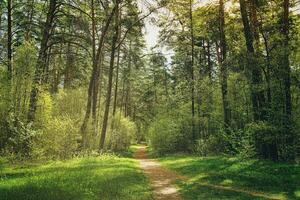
[{"x": 161, "y": 179}]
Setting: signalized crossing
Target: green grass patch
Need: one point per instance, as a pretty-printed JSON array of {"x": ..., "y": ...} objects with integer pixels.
[
  {"x": 276, "y": 179},
  {"x": 104, "y": 178}
]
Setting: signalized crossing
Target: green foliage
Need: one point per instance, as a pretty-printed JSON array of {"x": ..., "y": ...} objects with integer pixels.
[
  {"x": 163, "y": 135},
  {"x": 209, "y": 146},
  {"x": 44, "y": 110},
  {"x": 17, "y": 137},
  {"x": 170, "y": 132},
  {"x": 58, "y": 139},
  {"x": 70, "y": 102},
  {"x": 122, "y": 133},
  {"x": 57, "y": 121},
  {"x": 24, "y": 66}
]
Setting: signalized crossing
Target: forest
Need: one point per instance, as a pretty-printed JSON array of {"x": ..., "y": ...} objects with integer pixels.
[{"x": 149, "y": 100}]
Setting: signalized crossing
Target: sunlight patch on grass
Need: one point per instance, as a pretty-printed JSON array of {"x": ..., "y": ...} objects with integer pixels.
[
  {"x": 265, "y": 177},
  {"x": 226, "y": 182},
  {"x": 105, "y": 177},
  {"x": 297, "y": 193}
]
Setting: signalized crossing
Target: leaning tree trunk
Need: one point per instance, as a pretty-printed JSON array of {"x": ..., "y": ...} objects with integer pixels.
[
  {"x": 42, "y": 60},
  {"x": 93, "y": 79}
]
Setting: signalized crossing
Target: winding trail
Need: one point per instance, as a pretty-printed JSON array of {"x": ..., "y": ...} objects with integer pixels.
[{"x": 161, "y": 179}]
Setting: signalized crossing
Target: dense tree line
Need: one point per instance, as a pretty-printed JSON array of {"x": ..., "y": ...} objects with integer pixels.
[
  {"x": 75, "y": 77},
  {"x": 237, "y": 62}
]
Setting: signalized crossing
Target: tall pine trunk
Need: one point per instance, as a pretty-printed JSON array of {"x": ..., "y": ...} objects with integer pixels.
[
  {"x": 110, "y": 77},
  {"x": 94, "y": 76},
  {"x": 9, "y": 39},
  {"x": 192, "y": 70},
  {"x": 224, "y": 71},
  {"x": 41, "y": 64},
  {"x": 289, "y": 153},
  {"x": 257, "y": 95}
]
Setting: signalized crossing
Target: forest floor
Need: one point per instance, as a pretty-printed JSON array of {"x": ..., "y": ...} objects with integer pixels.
[
  {"x": 225, "y": 178},
  {"x": 161, "y": 179},
  {"x": 105, "y": 177},
  {"x": 172, "y": 177}
]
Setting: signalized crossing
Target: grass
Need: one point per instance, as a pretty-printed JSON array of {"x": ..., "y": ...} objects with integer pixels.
[
  {"x": 104, "y": 178},
  {"x": 232, "y": 178}
]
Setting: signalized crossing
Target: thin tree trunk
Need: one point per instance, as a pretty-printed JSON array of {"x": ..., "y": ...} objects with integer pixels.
[
  {"x": 289, "y": 141},
  {"x": 117, "y": 70},
  {"x": 110, "y": 77},
  {"x": 93, "y": 78},
  {"x": 224, "y": 72},
  {"x": 192, "y": 69},
  {"x": 9, "y": 39}
]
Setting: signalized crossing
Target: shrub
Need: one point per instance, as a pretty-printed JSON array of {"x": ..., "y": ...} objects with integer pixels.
[
  {"x": 163, "y": 134},
  {"x": 121, "y": 134},
  {"x": 44, "y": 110},
  {"x": 208, "y": 146},
  {"x": 18, "y": 137},
  {"x": 58, "y": 139},
  {"x": 170, "y": 132}
]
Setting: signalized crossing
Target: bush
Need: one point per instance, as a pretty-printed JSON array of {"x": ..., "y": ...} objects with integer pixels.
[
  {"x": 121, "y": 134},
  {"x": 241, "y": 142},
  {"x": 18, "y": 137},
  {"x": 258, "y": 138},
  {"x": 44, "y": 110},
  {"x": 58, "y": 139},
  {"x": 163, "y": 135},
  {"x": 208, "y": 146},
  {"x": 171, "y": 132}
]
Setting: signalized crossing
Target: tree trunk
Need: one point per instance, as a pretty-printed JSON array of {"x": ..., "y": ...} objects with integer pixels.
[
  {"x": 116, "y": 82},
  {"x": 93, "y": 79},
  {"x": 224, "y": 72},
  {"x": 117, "y": 70},
  {"x": 41, "y": 61},
  {"x": 110, "y": 77},
  {"x": 289, "y": 136},
  {"x": 9, "y": 39},
  {"x": 69, "y": 67},
  {"x": 192, "y": 70},
  {"x": 257, "y": 95}
]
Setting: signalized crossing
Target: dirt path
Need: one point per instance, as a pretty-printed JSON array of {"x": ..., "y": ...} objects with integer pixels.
[{"x": 161, "y": 179}]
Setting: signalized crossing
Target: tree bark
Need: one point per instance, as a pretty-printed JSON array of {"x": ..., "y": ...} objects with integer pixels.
[
  {"x": 110, "y": 77},
  {"x": 289, "y": 136},
  {"x": 117, "y": 70},
  {"x": 257, "y": 95},
  {"x": 192, "y": 69},
  {"x": 93, "y": 79},
  {"x": 224, "y": 72},
  {"x": 9, "y": 39},
  {"x": 42, "y": 59},
  {"x": 116, "y": 83}
]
